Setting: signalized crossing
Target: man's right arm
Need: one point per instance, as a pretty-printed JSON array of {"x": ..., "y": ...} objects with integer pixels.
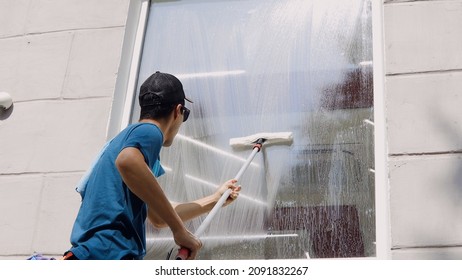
[{"x": 140, "y": 180}]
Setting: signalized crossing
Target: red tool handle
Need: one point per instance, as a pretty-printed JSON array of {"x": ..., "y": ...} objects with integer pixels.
[{"x": 183, "y": 254}]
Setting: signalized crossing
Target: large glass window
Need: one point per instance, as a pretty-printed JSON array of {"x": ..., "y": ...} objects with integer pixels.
[{"x": 254, "y": 66}]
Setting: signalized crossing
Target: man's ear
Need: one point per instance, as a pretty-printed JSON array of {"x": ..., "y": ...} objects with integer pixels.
[{"x": 177, "y": 111}]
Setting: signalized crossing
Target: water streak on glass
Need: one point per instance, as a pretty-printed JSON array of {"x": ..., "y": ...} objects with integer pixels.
[{"x": 271, "y": 66}]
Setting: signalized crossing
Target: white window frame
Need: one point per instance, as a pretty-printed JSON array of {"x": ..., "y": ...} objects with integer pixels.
[
  {"x": 124, "y": 97},
  {"x": 125, "y": 90},
  {"x": 382, "y": 193}
]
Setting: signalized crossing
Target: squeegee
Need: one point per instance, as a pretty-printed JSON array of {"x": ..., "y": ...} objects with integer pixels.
[{"x": 256, "y": 141}]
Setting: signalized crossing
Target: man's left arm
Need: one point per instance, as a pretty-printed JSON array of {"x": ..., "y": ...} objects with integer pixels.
[{"x": 190, "y": 210}]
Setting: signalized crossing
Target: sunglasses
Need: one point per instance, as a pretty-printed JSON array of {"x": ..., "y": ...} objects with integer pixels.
[{"x": 185, "y": 111}]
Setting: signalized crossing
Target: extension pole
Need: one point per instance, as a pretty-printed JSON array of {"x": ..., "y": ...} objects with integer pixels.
[{"x": 183, "y": 253}]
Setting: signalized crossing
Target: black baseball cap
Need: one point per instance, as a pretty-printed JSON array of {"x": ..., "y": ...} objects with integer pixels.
[{"x": 162, "y": 89}]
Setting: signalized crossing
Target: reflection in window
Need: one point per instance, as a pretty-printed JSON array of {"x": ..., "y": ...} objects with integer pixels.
[{"x": 270, "y": 66}]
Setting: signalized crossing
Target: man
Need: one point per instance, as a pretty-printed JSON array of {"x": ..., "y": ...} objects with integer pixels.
[{"x": 121, "y": 190}]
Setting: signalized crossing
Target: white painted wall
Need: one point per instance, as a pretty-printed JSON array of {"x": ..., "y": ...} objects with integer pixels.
[
  {"x": 59, "y": 61},
  {"x": 423, "y": 58}
]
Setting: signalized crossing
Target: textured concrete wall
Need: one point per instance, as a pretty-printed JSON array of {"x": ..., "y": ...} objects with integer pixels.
[
  {"x": 423, "y": 61},
  {"x": 59, "y": 61}
]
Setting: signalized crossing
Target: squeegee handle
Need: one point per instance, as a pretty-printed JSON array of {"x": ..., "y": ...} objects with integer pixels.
[
  {"x": 225, "y": 195},
  {"x": 255, "y": 150},
  {"x": 183, "y": 253}
]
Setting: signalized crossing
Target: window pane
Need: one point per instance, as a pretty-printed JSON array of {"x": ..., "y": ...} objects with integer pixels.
[{"x": 271, "y": 66}]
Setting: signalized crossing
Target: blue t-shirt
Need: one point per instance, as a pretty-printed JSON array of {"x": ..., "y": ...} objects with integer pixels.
[{"x": 111, "y": 220}]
